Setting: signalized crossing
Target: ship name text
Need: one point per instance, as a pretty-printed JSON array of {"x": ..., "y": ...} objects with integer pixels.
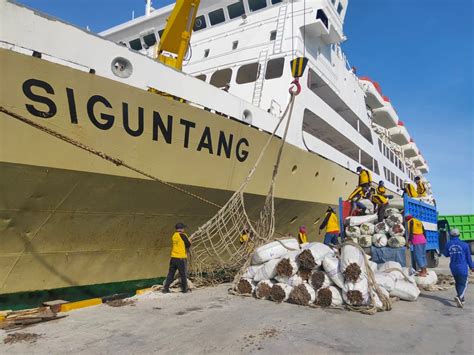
[{"x": 221, "y": 144}]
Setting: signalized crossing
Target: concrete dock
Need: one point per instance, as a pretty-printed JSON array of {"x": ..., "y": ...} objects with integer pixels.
[{"x": 210, "y": 321}]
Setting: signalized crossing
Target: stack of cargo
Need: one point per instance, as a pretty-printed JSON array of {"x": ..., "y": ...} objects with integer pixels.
[
  {"x": 367, "y": 231},
  {"x": 313, "y": 273}
]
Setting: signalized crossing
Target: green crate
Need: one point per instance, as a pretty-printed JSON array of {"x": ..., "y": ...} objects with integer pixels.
[{"x": 465, "y": 224}]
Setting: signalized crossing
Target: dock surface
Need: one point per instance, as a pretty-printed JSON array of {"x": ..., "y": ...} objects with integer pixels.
[{"x": 210, "y": 321}]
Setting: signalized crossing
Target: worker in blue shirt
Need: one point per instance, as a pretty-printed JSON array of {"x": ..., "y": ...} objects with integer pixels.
[{"x": 460, "y": 264}]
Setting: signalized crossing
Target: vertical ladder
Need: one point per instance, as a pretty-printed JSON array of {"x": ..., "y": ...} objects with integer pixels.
[
  {"x": 258, "y": 87},
  {"x": 280, "y": 29}
]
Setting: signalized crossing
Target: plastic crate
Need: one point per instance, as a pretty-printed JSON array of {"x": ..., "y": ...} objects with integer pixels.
[
  {"x": 465, "y": 224},
  {"x": 425, "y": 213}
]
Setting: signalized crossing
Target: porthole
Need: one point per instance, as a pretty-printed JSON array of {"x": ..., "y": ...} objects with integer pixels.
[
  {"x": 333, "y": 179},
  {"x": 317, "y": 174},
  {"x": 122, "y": 67},
  {"x": 293, "y": 170},
  {"x": 247, "y": 116},
  {"x": 317, "y": 220}
]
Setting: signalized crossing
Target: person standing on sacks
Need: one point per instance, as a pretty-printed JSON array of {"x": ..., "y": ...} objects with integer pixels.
[{"x": 417, "y": 238}]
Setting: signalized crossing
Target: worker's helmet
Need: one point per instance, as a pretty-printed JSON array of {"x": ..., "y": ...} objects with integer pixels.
[
  {"x": 417, "y": 178},
  {"x": 330, "y": 209},
  {"x": 381, "y": 183},
  {"x": 359, "y": 169},
  {"x": 454, "y": 232},
  {"x": 302, "y": 229},
  {"x": 408, "y": 217}
]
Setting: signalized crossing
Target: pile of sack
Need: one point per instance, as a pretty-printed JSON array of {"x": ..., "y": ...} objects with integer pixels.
[
  {"x": 313, "y": 273},
  {"x": 367, "y": 232}
]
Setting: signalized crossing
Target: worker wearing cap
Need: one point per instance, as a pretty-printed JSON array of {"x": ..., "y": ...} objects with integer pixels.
[
  {"x": 420, "y": 187},
  {"x": 358, "y": 194},
  {"x": 331, "y": 223},
  {"x": 365, "y": 178},
  {"x": 302, "y": 237},
  {"x": 180, "y": 245},
  {"x": 410, "y": 189},
  {"x": 460, "y": 263},
  {"x": 381, "y": 190},
  {"x": 417, "y": 237}
]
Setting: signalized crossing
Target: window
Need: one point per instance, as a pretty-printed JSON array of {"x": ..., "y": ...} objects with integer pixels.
[
  {"x": 201, "y": 77},
  {"x": 136, "y": 44},
  {"x": 366, "y": 160},
  {"x": 364, "y": 131},
  {"x": 380, "y": 146},
  {"x": 247, "y": 73},
  {"x": 320, "y": 15},
  {"x": 206, "y": 53},
  {"x": 339, "y": 8},
  {"x": 392, "y": 177},
  {"x": 149, "y": 39},
  {"x": 333, "y": 2},
  {"x": 275, "y": 68},
  {"x": 235, "y": 44},
  {"x": 216, "y": 17},
  {"x": 276, "y": 1},
  {"x": 255, "y": 5},
  {"x": 273, "y": 35},
  {"x": 376, "y": 167},
  {"x": 236, "y": 10},
  {"x": 221, "y": 78},
  {"x": 199, "y": 23}
]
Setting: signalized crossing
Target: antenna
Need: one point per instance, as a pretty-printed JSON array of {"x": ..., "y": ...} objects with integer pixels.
[{"x": 148, "y": 8}]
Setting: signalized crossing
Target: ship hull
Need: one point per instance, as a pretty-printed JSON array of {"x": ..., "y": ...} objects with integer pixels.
[{"x": 69, "y": 218}]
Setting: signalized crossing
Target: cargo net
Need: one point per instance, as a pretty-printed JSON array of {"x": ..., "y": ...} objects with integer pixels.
[{"x": 217, "y": 253}]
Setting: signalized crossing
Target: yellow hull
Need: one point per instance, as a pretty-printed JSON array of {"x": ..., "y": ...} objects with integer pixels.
[{"x": 69, "y": 218}]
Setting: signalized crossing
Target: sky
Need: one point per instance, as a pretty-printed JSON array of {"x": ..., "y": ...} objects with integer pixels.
[{"x": 421, "y": 52}]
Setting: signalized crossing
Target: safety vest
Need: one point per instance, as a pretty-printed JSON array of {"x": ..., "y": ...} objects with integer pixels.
[
  {"x": 302, "y": 238},
  {"x": 243, "y": 238},
  {"x": 178, "y": 248},
  {"x": 381, "y": 190},
  {"x": 358, "y": 192},
  {"x": 333, "y": 223},
  {"x": 421, "y": 188},
  {"x": 417, "y": 226},
  {"x": 365, "y": 177},
  {"x": 379, "y": 199},
  {"x": 411, "y": 191}
]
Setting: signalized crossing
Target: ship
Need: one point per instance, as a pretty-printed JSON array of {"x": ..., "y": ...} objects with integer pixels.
[{"x": 72, "y": 223}]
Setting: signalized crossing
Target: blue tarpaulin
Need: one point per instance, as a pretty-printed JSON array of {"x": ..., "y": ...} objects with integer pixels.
[{"x": 381, "y": 255}]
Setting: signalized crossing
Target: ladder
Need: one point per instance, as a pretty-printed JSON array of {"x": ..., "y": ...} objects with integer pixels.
[
  {"x": 278, "y": 43},
  {"x": 258, "y": 86}
]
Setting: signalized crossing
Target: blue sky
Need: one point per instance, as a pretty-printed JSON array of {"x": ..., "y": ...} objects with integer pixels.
[{"x": 421, "y": 52}]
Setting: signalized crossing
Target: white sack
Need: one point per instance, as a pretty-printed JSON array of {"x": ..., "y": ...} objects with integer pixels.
[
  {"x": 405, "y": 290},
  {"x": 373, "y": 266},
  {"x": 251, "y": 271},
  {"x": 274, "y": 250},
  {"x": 397, "y": 230},
  {"x": 336, "y": 296},
  {"x": 365, "y": 241},
  {"x": 292, "y": 281},
  {"x": 358, "y": 220},
  {"x": 286, "y": 288},
  {"x": 385, "y": 280},
  {"x": 381, "y": 228},
  {"x": 350, "y": 255},
  {"x": 268, "y": 271},
  {"x": 394, "y": 219},
  {"x": 361, "y": 285},
  {"x": 331, "y": 266},
  {"x": 367, "y": 229},
  {"x": 326, "y": 283},
  {"x": 379, "y": 240},
  {"x": 352, "y": 232},
  {"x": 291, "y": 257},
  {"x": 319, "y": 251},
  {"x": 396, "y": 242},
  {"x": 429, "y": 280},
  {"x": 389, "y": 265},
  {"x": 260, "y": 284},
  {"x": 396, "y": 202},
  {"x": 368, "y": 205},
  {"x": 391, "y": 211}
]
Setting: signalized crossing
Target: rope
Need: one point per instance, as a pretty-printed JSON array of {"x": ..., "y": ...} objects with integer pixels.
[
  {"x": 373, "y": 286},
  {"x": 116, "y": 161}
]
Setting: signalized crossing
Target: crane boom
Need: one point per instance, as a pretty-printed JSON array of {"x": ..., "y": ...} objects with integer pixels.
[{"x": 175, "y": 40}]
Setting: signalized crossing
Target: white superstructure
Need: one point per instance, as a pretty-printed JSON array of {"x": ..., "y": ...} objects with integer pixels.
[{"x": 245, "y": 48}]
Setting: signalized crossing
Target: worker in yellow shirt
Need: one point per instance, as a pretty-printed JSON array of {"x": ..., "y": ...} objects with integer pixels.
[
  {"x": 302, "y": 237},
  {"x": 244, "y": 236},
  {"x": 417, "y": 237},
  {"x": 365, "y": 178},
  {"x": 410, "y": 189},
  {"x": 358, "y": 194},
  {"x": 420, "y": 187},
  {"x": 331, "y": 223},
  {"x": 381, "y": 203},
  {"x": 180, "y": 245}
]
